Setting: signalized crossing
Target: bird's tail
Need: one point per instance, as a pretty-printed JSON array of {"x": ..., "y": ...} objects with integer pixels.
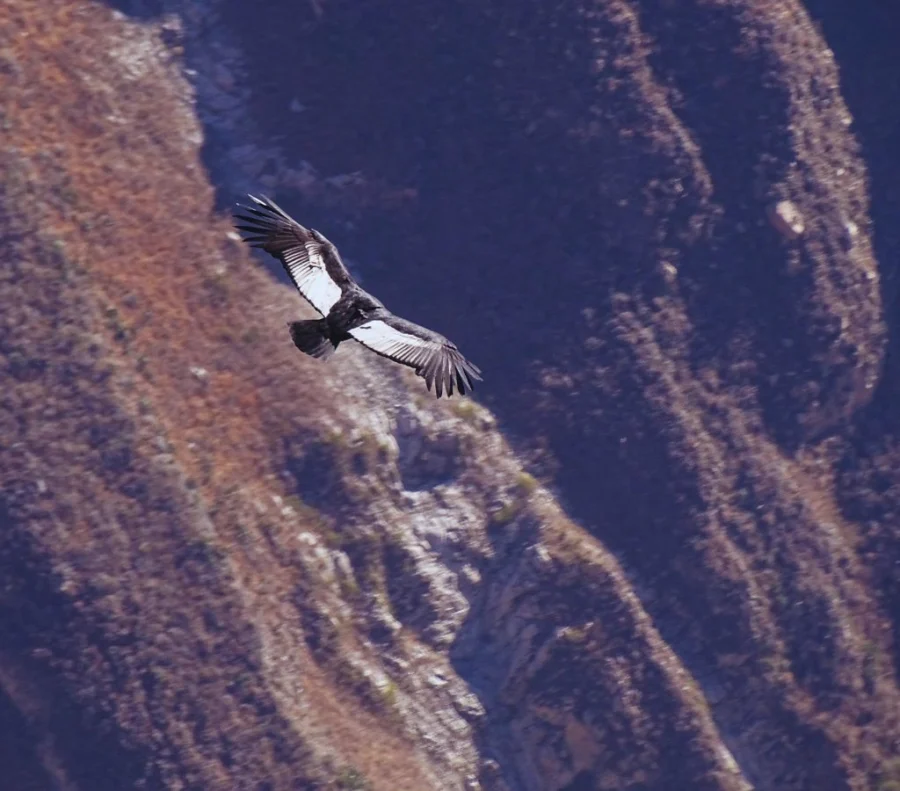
[{"x": 313, "y": 338}]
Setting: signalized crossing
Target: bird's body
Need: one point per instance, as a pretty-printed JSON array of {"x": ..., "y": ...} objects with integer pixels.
[{"x": 348, "y": 312}]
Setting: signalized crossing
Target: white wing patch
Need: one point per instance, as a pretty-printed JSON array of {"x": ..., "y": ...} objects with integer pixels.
[
  {"x": 305, "y": 264},
  {"x": 383, "y": 338},
  {"x": 435, "y": 359}
]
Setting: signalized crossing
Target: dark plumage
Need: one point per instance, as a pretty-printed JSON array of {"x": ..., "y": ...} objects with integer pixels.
[{"x": 348, "y": 312}]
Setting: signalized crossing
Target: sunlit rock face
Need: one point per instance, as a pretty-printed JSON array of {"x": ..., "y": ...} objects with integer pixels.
[{"x": 226, "y": 565}]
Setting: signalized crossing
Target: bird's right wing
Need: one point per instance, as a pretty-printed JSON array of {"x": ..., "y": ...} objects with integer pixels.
[
  {"x": 433, "y": 357},
  {"x": 311, "y": 261}
]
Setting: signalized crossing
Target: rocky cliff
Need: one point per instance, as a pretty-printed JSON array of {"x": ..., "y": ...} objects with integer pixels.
[{"x": 659, "y": 550}]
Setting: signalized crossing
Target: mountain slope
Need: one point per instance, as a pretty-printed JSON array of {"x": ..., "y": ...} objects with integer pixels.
[{"x": 226, "y": 565}]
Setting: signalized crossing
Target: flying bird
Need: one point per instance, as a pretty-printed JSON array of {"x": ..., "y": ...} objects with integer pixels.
[{"x": 348, "y": 312}]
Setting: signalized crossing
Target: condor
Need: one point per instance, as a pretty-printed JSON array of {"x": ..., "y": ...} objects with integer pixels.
[{"x": 348, "y": 312}]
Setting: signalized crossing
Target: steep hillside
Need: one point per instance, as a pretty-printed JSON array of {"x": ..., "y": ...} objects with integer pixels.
[{"x": 225, "y": 565}]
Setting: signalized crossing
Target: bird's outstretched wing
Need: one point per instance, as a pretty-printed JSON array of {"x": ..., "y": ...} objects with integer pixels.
[
  {"x": 312, "y": 262},
  {"x": 434, "y": 358}
]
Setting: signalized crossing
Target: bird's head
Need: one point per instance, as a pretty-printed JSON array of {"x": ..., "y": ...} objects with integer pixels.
[{"x": 367, "y": 305}]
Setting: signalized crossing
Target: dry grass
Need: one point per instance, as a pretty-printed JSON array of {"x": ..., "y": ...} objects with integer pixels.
[{"x": 110, "y": 154}]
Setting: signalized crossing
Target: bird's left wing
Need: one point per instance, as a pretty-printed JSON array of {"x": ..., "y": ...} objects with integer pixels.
[
  {"x": 311, "y": 261},
  {"x": 434, "y": 358}
]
